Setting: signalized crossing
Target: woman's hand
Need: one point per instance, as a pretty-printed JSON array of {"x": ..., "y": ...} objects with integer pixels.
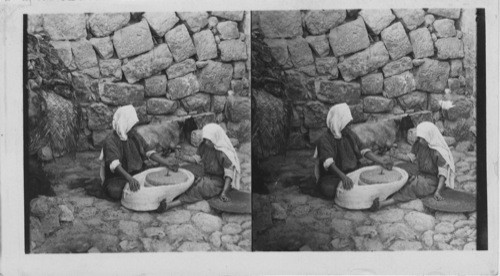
[
  {"x": 347, "y": 182},
  {"x": 224, "y": 197},
  {"x": 387, "y": 164},
  {"x": 174, "y": 167},
  {"x": 134, "y": 184},
  {"x": 438, "y": 196}
]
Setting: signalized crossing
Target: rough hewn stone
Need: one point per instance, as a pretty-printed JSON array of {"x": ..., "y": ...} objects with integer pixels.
[
  {"x": 233, "y": 50},
  {"x": 239, "y": 87},
  {"x": 388, "y": 215},
  {"x": 377, "y": 104},
  {"x": 364, "y": 62},
  {"x": 319, "y": 44},
  {"x": 396, "y": 41},
  {"x": 194, "y": 20},
  {"x": 405, "y": 246},
  {"x": 422, "y": 43},
  {"x": 228, "y": 30},
  {"x": 103, "y": 46},
  {"x": 111, "y": 68},
  {"x": 333, "y": 92},
  {"x": 279, "y": 50},
  {"x": 449, "y": 13},
  {"x": 397, "y": 66},
  {"x": 229, "y": 15},
  {"x": 349, "y": 38},
  {"x": 35, "y": 23},
  {"x": 160, "y": 106},
  {"x": 63, "y": 49},
  {"x": 215, "y": 78},
  {"x": 419, "y": 221},
  {"x": 180, "y": 69},
  {"x": 280, "y": 24},
  {"x": 161, "y": 22},
  {"x": 300, "y": 85},
  {"x": 321, "y": 21},
  {"x": 449, "y": 48},
  {"x": 461, "y": 109},
  {"x": 415, "y": 100},
  {"x": 147, "y": 64},
  {"x": 99, "y": 116},
  {"x": 206, "y": 222},
  {"x": 65, "y": 26},
  {"x": 456, "y": 68},
  {"x": 396, "y": 230},
  {"x": 155, "y": 86},
  {"x": 327, "y": 65},
  {"x": 398, "y": 85},
  {"x": 182, "y": 87},
  {"x": 84, "y": 54},
  {"x": 198, "y": 102},
  {"x": 300, "y": 52},
  {"x": 239, "y": 70},
  {"x": 444, "y": 27},
  {"x": 85, "y": 87},
  {"x": 314, "y": 114},
  {"x": 218, "y": 103},
  {"x": 104, "y": 24},
  {"x": 432, "y": 76},
  {"x": 372, "y": 84},
  {"x": 133, "y": 40},
  {"x": 238, "y": 109},
  {"x": 180, "y": 43},
  {"x": 342, "y": 226},
  {"x": 377, "y": 19},
  {"x": 411, "y": 18},
  {"x": 206, "y": 48},
  {"x": 120, "y": 93}
]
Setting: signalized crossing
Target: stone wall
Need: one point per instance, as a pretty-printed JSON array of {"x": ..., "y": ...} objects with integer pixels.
[
  {"x": 170, "y": 66},
  {"x": 382, "y": 63}
]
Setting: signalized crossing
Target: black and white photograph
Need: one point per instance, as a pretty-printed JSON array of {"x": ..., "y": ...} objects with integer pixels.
[{"x": 366, "y": 129}]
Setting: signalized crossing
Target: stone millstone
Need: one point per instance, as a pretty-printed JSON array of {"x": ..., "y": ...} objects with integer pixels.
[
  {"x": 161, "y": 178},
  {"x": 376, "y": 177},
  {"x": 453, "y": 202}
]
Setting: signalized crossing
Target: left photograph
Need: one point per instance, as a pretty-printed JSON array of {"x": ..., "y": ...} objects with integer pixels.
[{"x": 137, "y": 132}]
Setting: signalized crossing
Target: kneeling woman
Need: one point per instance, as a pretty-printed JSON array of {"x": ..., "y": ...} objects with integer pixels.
[
  {"x": 220, "y": 164},
  {"x": 339, "y": 151},
  {"x": 435, "y": 167}
]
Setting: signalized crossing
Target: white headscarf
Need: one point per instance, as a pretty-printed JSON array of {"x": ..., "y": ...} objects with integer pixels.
[
  {"x": 431, "y": 134},
  {"x": 218, "y": 137},
  {"x": 338, "y": 117},
  {"x": 124, "y": 119}
]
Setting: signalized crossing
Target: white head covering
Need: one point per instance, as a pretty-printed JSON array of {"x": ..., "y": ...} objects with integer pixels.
[
  {"x": 431, "y": 134},
  {"x": 218, "y": 137},
  {"x": 338, "y": 117},
  {"x": 124, "y": 119}
]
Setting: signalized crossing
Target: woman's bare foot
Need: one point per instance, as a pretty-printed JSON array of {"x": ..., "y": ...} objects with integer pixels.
[
  {"x": 375, "y": 206},
  {"x": 163, "y": 207}
]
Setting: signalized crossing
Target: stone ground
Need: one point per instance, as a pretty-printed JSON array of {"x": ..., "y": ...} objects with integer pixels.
[
  {"x": 75, "y": 222},
  {"x": 288, "y": 220}
]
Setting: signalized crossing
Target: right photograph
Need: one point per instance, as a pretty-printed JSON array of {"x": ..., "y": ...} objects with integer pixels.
[{"x": 364, "y": 130}]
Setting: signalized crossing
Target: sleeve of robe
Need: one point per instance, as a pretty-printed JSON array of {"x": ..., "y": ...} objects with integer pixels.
[{"x": 327, "y": 152}]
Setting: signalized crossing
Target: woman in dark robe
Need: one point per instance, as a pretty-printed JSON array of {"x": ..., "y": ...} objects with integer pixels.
[{"x": 339, "y": 151}]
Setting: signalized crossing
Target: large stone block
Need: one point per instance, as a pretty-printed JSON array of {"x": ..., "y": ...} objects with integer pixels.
[
  {"x": 396, "y": 41},
  {"x": 377, "y": 19},
  {"x": 372, "y": 84},
  {"x": 65, "y": 26},
  {"x": 85, "y": 87},
  {"x": 240, "y": 87},
  {"x": 215, "y": 78},
  {"x": 398, "y": 85},
  {"x": 449, "y": 13},
  {"x": 279, "y": 50},
  {"x": 206, "y": 48},
  {"x": 300, "y": 86},
  {"x": 397, "y": 66},
  {"x": 160, "y": 106},
  {"x": 148, "y": 64},
  {"x": 364, "y": 62},
  {"x": 229, "y": 15},
  {"x": 161, "y": 22},
  {"x": 411, "y": 18},
  {"x": 358, "y": 115},
  {"x": 103, "y": 46},
  {"x": 300, "y": 52},
  {"x": 218, "y": 103},
  {"x": 315, "y": 114},
  {"x": 99, "y": 116},
  {"x": 349, "y": 38},
  {"x": 456, "y": 68},
  {"x": 422, "y": 43},
  {"x": 194, "y": 20},
  {"x": 133, "y": 40},
  {"x": 327, "y": 65},
  {"x": 228, "y": 30},
  {"x": 280, "y": 24},
  {"x": 321, "y": 21},
  {"x": 233, "y": 50},
  {"x": 461, "y": 108},
  {"x": 449, "y": 48},
  {"x": 238, "y": 109},
  {"x": 416, "y": 100},
  {"x": 319, "y": 44},
  {"x": 180, "y": 69},
  {"x": 182, "y": 87},
  {"x": 111, "y": 68},
  {"x": 119, "y": 93},
  {"x": 63, "y": 49},
  {"x": 377, "y": 104},
  {"x": 180, "y": 43},
  {"x": 432, "y": 76},
  {"x": 35, "y": 23},
  {"x": 84, "y": 54},
  {"x": 104, "y": 24},
  {"x": 333, "y": 92},
  {"x": 445, "y": 27},
  {"x": 239, "y": 70},
  {"x": 199, "y": 102},
  {"x": 155, "y": 86}
]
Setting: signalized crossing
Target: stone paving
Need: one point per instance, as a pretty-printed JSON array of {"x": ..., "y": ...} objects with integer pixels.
[
  {"x": 75, "y": 222},
  {"x": 288, "y": 220}
]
